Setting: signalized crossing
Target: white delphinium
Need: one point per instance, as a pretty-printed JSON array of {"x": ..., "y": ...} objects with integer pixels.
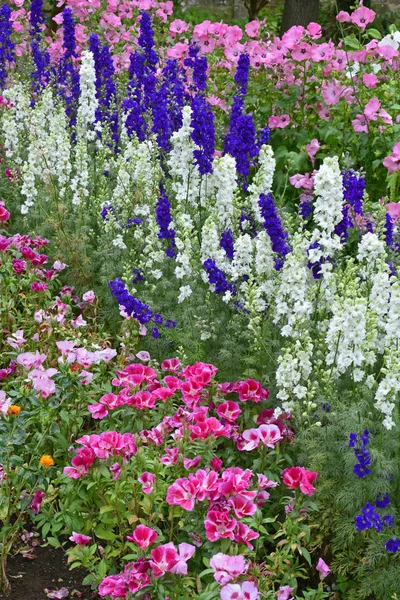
[
  {"x": 15, "y": 122},
  {"x": 243, "y": 257},
  {"x": 351, "y": 333},
  {"x": 225, "y": 185},
  {"x": 146, "y": 169},
  {"x": 210, "y": 243},
  {"x": 150, "y": 255},
  {"x": 389, "y": 387},
  {"x": 183, "y": 241},
  {"x": 264, "y": 266},
  {"x": 184, "y": 173},
  {"x": 88, "y": 102},
  {"x": 118, "y": 242},
  {"x": 328, "y": 188},
  {"x": 262, "y": 181},
  {"x": 393, "y": 318},
  {"x": 60, "y": 148},
  {"x": 293, "y": 305},
  {"x": 80, "y": 181},
  {"x": 293, "y": 372},
  {"x": 379, "y": 297},
  {"x": 371, "y": 253}
]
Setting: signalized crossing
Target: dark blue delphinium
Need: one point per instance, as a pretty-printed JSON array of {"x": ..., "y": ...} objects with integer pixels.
[
  {"x": 242, "y": 73},
  {"x": 360, "y": 443},
  {"x": 134, "y": 307},
  {"x": 305, "y": 208},
  {"x": 389, "y": 230},
  {"x": 164, "y": 220},
  {"x": 67, "y": 75},
  {"x": 155, "y": 332},
  {"x": 40, "y": 75},
  {"x": 36, "y": 19},
  {"x": 217, "y": 277},
  {"x": 170, "y": 324},
  {"x": 368, "y": 519},
  {"x": 142, "y": 84},
  {"x": 393, "y": 545},
  {"x": 226, "y": 243},
  {"x": 203, "y": 134},
  {"x": 240, "y": 141},
  {"x": 137, "y": 276},
  {"x": 158, "y": 319},
  {"x": 341, "y": 229},
  {"x": 106, "y": 90},
  {"x": 382, "y": 501},
  {"x": 7, "y": 46},
  {"x": 264, "y": 136},
  {"x": 353, "y": 190},
  {"x": 247, "y": 223},
  {"x": 199, "y": 66},
  {"x": 272, "y": 224}
]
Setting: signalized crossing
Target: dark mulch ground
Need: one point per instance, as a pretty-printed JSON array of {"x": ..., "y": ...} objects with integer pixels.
[{"x": 29, "y": 578}]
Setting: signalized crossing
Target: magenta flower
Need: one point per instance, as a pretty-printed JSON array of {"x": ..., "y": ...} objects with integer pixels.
[
  {"x": 244, "y": 591},
  {"x": 229, "y": 411},
  {"x": 242, "y": 506},
  {"x": 164, "y": 559},
  {"x": 79, "y": 538},
  {"x": 182, "y": 493},
  {"x": 219, "y": 524},
  {"x": 37, "y": 501},
  {"x": 227, "y": 567},
  {"x": 114, "y": 586},
  {"x": 185, "y": 552},
  {"x": 147, "y": 480},
  {"x": 362, "y": 17},
  {"x": 89, "y": 296},
  {"x": 143, "y": 536},
  {"x": 284, "y": 592},
  {"x": 244, "y": 535}
]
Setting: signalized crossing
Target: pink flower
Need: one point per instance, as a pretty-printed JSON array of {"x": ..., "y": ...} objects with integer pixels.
[
  {"x": 178, "y": 26},
  {"x": 251, "y": 439},
  {"x": 78, "y": 322},
  {"x": 312, "y": 149},
  {"x": 216, "y": 463},
  {"x": 59, "y": 266},
  {"x": 17, "y": 339},
  {"x": 29, "y": 360},
  {"x": 284, "y": 592},
  {"x": 143, "y": 355},
  {"x": 114, "y": 586},
  {"x": 4, "y": 214},
  {"x": 147, "y": 480},
  {"x": 79, "y": 538},
  {"x": 143, "y": 536},
  {"x": 37, "y": 286},
  {"x": 252, "y": 28},
  {"x": 370, "y": 80},
  {"x": 115, "y": 469},
  {"x": 242, "y": 507},
  {"x": 244, "y": 535},
  {"x": 5, "y": 403},
  {"x": 219, "y": 524},
  {"x": 343, "y": 17},
  {"x": 37, "y": 501},
  {"x": 323, "y": 568},
  {"x": 314, "y": 30},
  {"x": 164, "y": 559},
  {"x": 362, "y": 16},
  {"x": 393, "y": 208},
  {"x": 269, "y": 435},
  {"x": 360, "y": 124},
  {"x": 371, "y": 109},
  {"x": 251, "y": 390},
  {"x": 191, "y": 463},
  {"x": 19, "y": 265},
  {"x": 186, "y": 551},
  {"x": 227, "y": 567},
  {"x": 98, "y": 411},
  {"x": 170, "y": 457},
  {"x": 182, "y": 493},
  {"x": 265, "y": 483},
  {"x": 57, "y": 594},
  {"x": 89, "y": 296},
  {"x": 299, "y": 477},
  {"x": 229, "y": 411},
  {"x": 392, "y": 162},
  {"x": 235, "y": 591},
  {"x": 278, "y": 122},
  {"x": 86, "y": 377}
]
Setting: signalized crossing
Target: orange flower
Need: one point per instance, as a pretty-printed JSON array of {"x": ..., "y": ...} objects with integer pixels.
[
  {"x": 14, "y": 410},
  {"x": 46, "y": 461}
]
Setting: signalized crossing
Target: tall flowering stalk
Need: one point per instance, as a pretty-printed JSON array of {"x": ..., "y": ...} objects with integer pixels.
[
  {"x": 7, "y": 46},
  {"x": 41, "y": 58},
  {"x": 68, "y": 76},
  {"x": 106, "y": 90}
]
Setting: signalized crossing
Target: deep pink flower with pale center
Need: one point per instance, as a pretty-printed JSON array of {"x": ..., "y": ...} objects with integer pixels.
[
  {"x": 143, "y": 536},
  {"x": 229, "y": 411},
  {"x": 219, "y": 524},
  {"x": 182, "y": 493},
  {"x": 147, "y": 480},
  {"x": 164, "y": 559},
  {"x": 79, "y": 538}
]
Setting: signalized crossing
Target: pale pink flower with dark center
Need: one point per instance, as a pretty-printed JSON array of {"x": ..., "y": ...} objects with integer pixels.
[{"x": 362, "y": 17}]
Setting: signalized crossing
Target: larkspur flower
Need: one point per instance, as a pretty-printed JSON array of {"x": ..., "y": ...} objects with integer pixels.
[{"x": 7, "y": 46}]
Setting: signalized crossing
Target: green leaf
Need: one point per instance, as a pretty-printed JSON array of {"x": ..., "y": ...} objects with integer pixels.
[
  {"x": 104, "y": 534},
  {"x": 306, "y": 555},
  {"x": 46, "y": 529},
  {"x": 53, "y": 542},
  {"x": 374, "y": 33},
  {"x": 352, "y": 42}
]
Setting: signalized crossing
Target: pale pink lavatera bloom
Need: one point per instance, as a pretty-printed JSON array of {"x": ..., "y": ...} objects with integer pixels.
[
  {"x": 392, "y": 162},
  {"x": 393, "y": 209},
  {"x": 360, "y": 124},
  {"x": 243, "y": 591},
  {"x": 312, "y": 149},
  {"x": 143, "y": 356},
  {"x": 315, "y": 30},
  {"x": 278, "y": 122},
  {"x": 147, "y": 480},
  {"x": 343, "y": 17},
  {"x": 252, "y": 28},
  {"x": 362, "y": 17},
  {"x": 227, "y": 567},
  {"x": 79, "y": 538},
  {"x": 370, "y": 80},
  {"x": 178, "y": 26},
  {"x": 323, "y": 568},
  {"x": 185, "y": 552},
  {"x": 305, "y": 181},
  {"x": 143, "y": 536}
]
